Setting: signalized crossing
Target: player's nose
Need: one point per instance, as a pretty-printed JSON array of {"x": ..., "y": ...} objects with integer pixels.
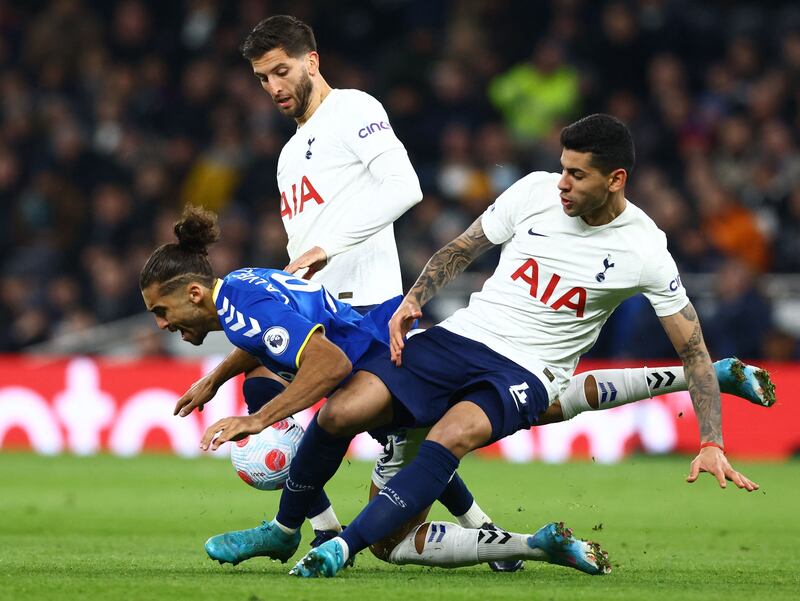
[
  {"x": 273, "y": 89},
  {"x": 162, "y": 323}
]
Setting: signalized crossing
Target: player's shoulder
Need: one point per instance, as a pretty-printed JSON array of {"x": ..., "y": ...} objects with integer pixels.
[
  {"x": 351, "y": 105},
  {"x": 352, "y": 96},
  {"x": 641, "y": 220},
  {"x": 542, "y": 183},
  {"x": 245, "y": 281},
  {"x": 648, "y": 236},
  {"x": 533, "y": 189}
]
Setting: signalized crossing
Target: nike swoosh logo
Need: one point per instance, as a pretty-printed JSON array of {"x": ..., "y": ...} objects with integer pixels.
[{"x": 532, "y": 233}]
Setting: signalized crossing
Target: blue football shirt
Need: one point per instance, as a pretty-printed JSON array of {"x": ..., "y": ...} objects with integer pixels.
[{"x": 272, "y": 314}]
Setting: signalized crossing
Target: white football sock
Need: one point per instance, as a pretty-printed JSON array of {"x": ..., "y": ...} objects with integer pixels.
[
  {"x": 286, "y": 529},
  {"x": 448, "y": 545},
  {"x": 474, "y": 517},
  {"x": 345, "y": 548},
  {"x": 326, "y": 520},
  {"x": 620, "y": 386}
]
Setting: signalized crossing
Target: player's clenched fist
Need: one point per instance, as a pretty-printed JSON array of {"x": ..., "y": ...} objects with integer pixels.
[
  {"x": 401, "y": 322},
  {"x": 230, "y": 428},
  {"x": 198, "y": 395}
]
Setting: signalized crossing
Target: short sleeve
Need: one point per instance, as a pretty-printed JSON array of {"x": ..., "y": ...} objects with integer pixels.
[
  {"x": 364, "y": 126},
  {"x": 661, "y": 283},
  {"x": 284, "y": 332},
  {"x": 499, "y": 220}
]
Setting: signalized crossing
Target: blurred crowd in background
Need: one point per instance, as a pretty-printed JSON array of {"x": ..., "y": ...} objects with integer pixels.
[{"x": 115, "y": 114}]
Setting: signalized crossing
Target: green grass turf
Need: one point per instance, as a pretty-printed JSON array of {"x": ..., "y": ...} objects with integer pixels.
[{"x": 110, "y": 528}]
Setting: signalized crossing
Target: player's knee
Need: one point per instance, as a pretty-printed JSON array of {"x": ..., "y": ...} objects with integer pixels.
[
  {"x": 381, "y": 550},
  {"x": 590, "y": 390},
  {"x": 458, "y": 437},
  {"x": 420, "y": 536},
  {"x": 336, "y": 419},
  {"x": 401, "y": 549}
]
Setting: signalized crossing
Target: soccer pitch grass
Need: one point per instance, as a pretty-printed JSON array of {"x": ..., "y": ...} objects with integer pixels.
[{"x": 109, "y": 528}]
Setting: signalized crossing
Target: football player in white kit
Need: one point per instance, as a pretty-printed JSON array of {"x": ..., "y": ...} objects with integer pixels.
[{"x": 573, "y": 249}]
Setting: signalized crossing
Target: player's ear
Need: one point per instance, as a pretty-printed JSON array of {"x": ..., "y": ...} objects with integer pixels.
[
  {"x": 312, "y": 63},
  {"x": 196, "y": 293},
  {"x": 617, "y": 179}
]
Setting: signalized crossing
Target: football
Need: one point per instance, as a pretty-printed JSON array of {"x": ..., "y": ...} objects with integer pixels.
[{"x": 262, "y": 460}]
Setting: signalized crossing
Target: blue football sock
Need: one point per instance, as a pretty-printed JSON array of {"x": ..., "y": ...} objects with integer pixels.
[
  {"x": 318, "y": 457},
  {"x": 413, "y": 489},
  {"x": 260, "y": 391},
  {"x": 456, "y": 496}
]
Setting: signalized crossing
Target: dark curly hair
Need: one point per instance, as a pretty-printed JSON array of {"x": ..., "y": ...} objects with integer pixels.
[{"x": 606, "y": 137}]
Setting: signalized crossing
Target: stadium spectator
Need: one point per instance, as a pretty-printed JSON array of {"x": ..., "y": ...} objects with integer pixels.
[{"x": 138, "y": 106}]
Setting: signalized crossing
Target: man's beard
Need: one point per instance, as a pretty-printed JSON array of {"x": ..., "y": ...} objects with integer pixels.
[{"x": 303, "y": 96}]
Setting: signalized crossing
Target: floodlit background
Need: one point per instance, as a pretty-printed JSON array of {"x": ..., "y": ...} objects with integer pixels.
[{"x": 113, "y": 115}]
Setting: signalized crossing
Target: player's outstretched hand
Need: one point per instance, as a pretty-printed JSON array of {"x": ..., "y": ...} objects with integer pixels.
[
  {"x": 229, "y": 428},
  {"x": 314, "y": 259},
  {"x": 713, "y": 461},
  {"x": 198, "y": 395},
  {"x": 399, "y": 325}
]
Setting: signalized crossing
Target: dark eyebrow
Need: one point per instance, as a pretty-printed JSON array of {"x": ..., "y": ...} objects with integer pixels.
[
  {"x": 157, "y": 309},
  {"x": 573, "y": 170},
  {"x": 275, "y": 68}
]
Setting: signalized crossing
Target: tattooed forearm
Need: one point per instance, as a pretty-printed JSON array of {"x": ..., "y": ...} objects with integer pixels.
[
  {"x": 700, "y": 377},
  {"x": 449, "y": 261}
]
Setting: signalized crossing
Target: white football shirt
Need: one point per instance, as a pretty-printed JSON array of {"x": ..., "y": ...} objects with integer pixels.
[
  {"x": 322, "y": 170},
  {"x": 559, "y": 279}
]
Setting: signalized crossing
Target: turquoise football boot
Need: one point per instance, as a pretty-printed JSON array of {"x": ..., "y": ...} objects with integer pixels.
[
  {"x": 266, "y": 540},
  {"x": 745, "y": 381},
  {"x": 565, "y": 550},
  {"x": 326, "y": 560}
]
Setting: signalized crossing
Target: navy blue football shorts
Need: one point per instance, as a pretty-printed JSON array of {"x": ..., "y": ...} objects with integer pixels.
[{"x": 441, "y": 368}]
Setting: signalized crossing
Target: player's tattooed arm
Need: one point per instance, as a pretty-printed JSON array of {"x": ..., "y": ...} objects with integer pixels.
[
  {"x": 683, "y": 329},
  {"x": 449, "y": 261}
]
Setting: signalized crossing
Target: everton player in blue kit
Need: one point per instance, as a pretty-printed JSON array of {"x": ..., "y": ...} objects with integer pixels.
[{"x": 301, "y": 333}]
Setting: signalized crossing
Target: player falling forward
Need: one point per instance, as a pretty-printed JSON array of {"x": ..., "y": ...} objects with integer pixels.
[{"x": 497, "y": 365}]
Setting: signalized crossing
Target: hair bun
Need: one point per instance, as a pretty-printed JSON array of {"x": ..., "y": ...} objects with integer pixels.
[{"x": 196, "y": 229}]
